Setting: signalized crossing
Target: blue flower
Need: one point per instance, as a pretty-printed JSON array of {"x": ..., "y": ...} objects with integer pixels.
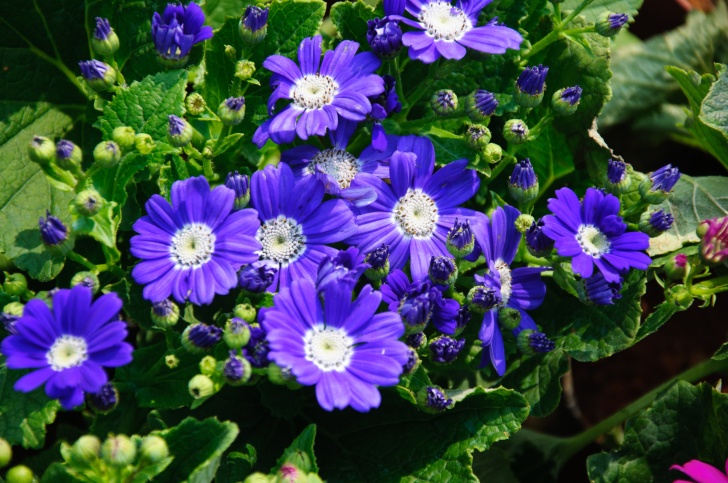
[
  {"x": 69, "y": 346},
  {"x": 192, "y": 249},
  {"x": 448, "y": 29},
  {"x": 296, "y": 224},
  {"x": 538, "y": 244},
  {"x": 593, "y": 234},
  {"x": 178, "y": 29},
  {"x": 103, "y": 28},
  {"x": 520, "y": 288},
  {"x": 665, "y": 178},
  {"x": 339, "y": 345},
  {"x": 321, "y": 92},
  {"x": 414, "y": 214},
  {"x": 345, "y": 268},
  {"x": 532, "y": 80}
]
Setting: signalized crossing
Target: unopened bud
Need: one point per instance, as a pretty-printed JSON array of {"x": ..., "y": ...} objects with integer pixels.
[
  {"x": 179, "y": 131},
  {"x": 85, "y": 450},
  {"x": 107, "y": 154},
  {"x": 88, "y": 202},
  {"x": 19, "y": 474},
  {"x": 515, "y": 131},
  {"x": 237, "y": 332},
  {"x": 509, "y": 318},
  {"x": 15, "y": 284},
  {"x": 244, "y": 69},
  {"x": 195, "y": 104},
  {"x": 87, "y": 279},
  {"x": 153, "y": 449},
  {"x": 165, "y": 314},
  {"x": 444, "y": 102},
  {"x": 124, "y": 137},
  {"x": 119, "y": 450},
  {"x": 68, "y": 155},
  {"x": 477, "y": 136},
  {"x": 201, "y": 386},
  {"x": 41, "y": 150},
  {"x": 492, "y": 153},
  {"x": 144, "y": 143},
  {"x": 6, "y": 453}
]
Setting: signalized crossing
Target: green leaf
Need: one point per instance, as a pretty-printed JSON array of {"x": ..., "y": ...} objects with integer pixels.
[
  {"x": 721, "y": 353},
  {"x": 449, "y": 147},
  {"x": 713, "y": 112},
  {"x": 101, "y": 227},
  {"x": 685, "y": 422},
  {"x": 146, "y": 105},
  {"x": 300, "y": 452},
  {"x": 590, "y": 333},
  {"x": 657, "y": 319},
  {"x": 351, "y": 20},
  {"x": 217, "y": 10},
  {"x": 641, "y": 66},
  {"x": 538, "y": 378},
  {"x": 25, "y": 194},
  {"x": 551, "y": 157},
  {"x": 23, "y": 416},
  {"x": 197, "y": 447},
  {"x": 596, "y": 7},
  {"x": 153, "y": 383},
  {"x": 692, "y": 201},
  {"x": 227, "y": 143},
  {"x": 289, "y": 22},
  {"x": 236, "y": 464},
  {"x": 219, "y": 68}
]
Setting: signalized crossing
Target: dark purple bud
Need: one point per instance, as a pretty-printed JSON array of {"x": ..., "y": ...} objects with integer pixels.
[
  {"x": 256, "y": 277},
  {"x": 52, "y": 230},
  {"x": 444, "y": 349},
  {"x": 531, "y": 342},
  {"x": 537, "y": 243},
  {"x": 105, "y": 399},
  {"x": 532, "y": 80},
  {"x": 255, "y": 18},
  {"x": 240, "y": 184},
  {"x": 598, "y": 291},
  {"x": 384, "y": 36},
  {"x": 256, "y": 351},
  {"x": 442, "y": 271}
]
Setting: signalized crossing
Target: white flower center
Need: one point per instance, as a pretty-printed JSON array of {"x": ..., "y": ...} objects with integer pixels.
[
  {"x": 416, "y": 214},
  {"x": 66, "y": 352},
  {"x": 193, "y": 245},
  {"x": 592, "y": 241},
  {"x": 337, "y": 163},
  {"x": 314, "y": 91},
  {"x": 444, "y": 22},
  {"x": 329, "y": 348},
  {"x": 282, "y": 239},
  {"x": 506, "y": 280}
]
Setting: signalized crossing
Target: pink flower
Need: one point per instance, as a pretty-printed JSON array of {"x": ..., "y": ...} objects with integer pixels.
[
  {"x": 714, "y": 247},
  {"x": 702, "y": 472}
]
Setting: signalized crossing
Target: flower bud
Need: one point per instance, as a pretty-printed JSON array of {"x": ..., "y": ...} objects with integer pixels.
[
  {"x": 179, "y": 132},
  {"x": 480, "y": 105},
  {"x": 105, "y": 400},
  {"x": 658, "y": 185},
  {"x": 618, "y": 179},
  {"x": 198, "y": 338},
  {"x": 413, "y": 362},
  {"x": 432, "y": 399},
  {"x": 509, "y": 318},
  {"x": 15, "y": 284},
  {"x": 153, "y": 449},
  {"x": 236, "y": 370},
  {"x": 565, "y": 102},
  {"x": 418, "y": 340},
  {"x": 260, "y": 478},
  {"x": 256, "y": 277},
  {"x": 254, "y": 24},
  {"x": 378, "y": 260},
  {"x": 19, "y": 474},
  {"x": 107, "y": 154},
  {"x": 87, "y": 279},
  {"x": 596, "y": 290},
  {"x": 104, "y": 40},
  {"x": 231, "y": 53},
  {"x": 119, "y": 451},
  {"x": 460, "y": 239},
  {"x": 680, "y": 296},
  {"x": 144, "y": 143},
  {"x": 492, "y": 153},
  {"x": 14, "y": 308},
  {"x": 537, "y": 243},
  {"x": 245, "y": 311},
  {"x": 444, "y": 102},
  {"x": 52, "y": 230},
  {"x": 6, "y": 453},
  {"x": 164, "y": 314},
  {"x": 523, "y": 183},
  {"x": 654, "y": 223},
  {"x": 477, "y": 136},
  {"x": 532, "y": 342},
  {"x": 41, "y": 150},
  {"x": 88, "y": 202},
  {"x": 445, "y": 350},
  {"x": 281, "y": 376},
  {"x": 482, "y": 298},
  {"x": 124, "y": 137},
  {"x": 515, "y": 131},
  {"x": 201, "y": 386},
  {"x": 530, "y": 86},
  {"x": 462, "y": 318},
  {"x": 98, "y": 75},
  {"x": 85, "y": 450},
  {"x": 244, "y": 69},
  {"x": 714, "y": 242},
  {"x": 208, "y": 366},
  {"x": 240, "y": 183},
  {"x": 523, "y": 223},
  {"x": 608, "y": 24},
  {"x": 443, "y": 270},
  {"x": 384, "y": 36},
  {"x": 171, "y": 361},
  {"x": 676, "y": 267},
  {"x": 237, "y": 333},
  {"x": 68, "y": 155},
  {"x": 232, "y": 111},
  {"x": 195, "y": 104}
]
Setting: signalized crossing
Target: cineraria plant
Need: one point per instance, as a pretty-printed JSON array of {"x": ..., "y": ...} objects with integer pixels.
[{"x": 287, "y": 242}]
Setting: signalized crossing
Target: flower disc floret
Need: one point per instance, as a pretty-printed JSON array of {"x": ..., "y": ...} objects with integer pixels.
[
  {"x": 282, "y": 240},
  {"x": 416, "y": 214},
  {"x": 337, "y": 163},
  {"x": 442, "y": 21}
]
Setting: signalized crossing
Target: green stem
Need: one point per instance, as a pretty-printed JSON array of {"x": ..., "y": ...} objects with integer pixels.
[
  {"x": 557, "y": 13},
  {"x": 541, "y": 125},
  {"x": 540, "y": 45},
  {"x": 81, "y": 260},
  {"x": 580, "y": 30},
  {"x": 422, "y": 88},
  {"x": 574, "y": 13},
  {"x": 556, "y": 33},
  {"x": 710, "y": 287}
]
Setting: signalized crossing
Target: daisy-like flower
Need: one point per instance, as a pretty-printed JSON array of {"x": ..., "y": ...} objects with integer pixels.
[
  {"x": 341, "y": 346},
  {"x": 177, "y": 30},
  {"x": 446, "y": 30},
  {"x": 593, "y": 234},
  {"x": 321, "y": 92},
  {"x": 520, "y": 288},
  {"x": 193, "y": 248},
  {"x": 336, "y": 167},
  {"x": 296, "y": 224},
  {"x": 702, "y": 472},
  {"x": 68, "y": 346},
  {"x": 414, "y": 214}
]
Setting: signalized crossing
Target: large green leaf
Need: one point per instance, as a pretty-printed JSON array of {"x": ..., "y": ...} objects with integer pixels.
[
  {"x": 25, "y": 194},
  {"x": 713, "y": 112},
  {"x": 351, "y": 20},
  {"x": 219, "y": 68},
  {"x": 217, "y": 10},
  {"x": 597, "y": 7},
  {"x": 692, "y": 201},
  {"x": 289, "y": 22},
  {"x": 551, "y": 157},
  {"x": 685, "y": 422},
  {"x": 23, "y": 416}
]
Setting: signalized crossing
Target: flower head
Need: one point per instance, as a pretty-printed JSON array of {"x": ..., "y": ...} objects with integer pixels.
[
  {"x": 530, "y": 86},
  {"x": 69, "y": 346},
  {"x": 321, "y": 92},
  {"x": 192, "y": 248},
  {"x": 384, "y": 36},
  {"x": 103, "y": 29},
  {"x": 538, "y": 244},
  {"x": 52, "y": 230},
  {"x": 714, "y": 244},
  {"x": 257, "y": 276},
  {"x": 104, "y": 40},
  {"x": 446, "y": 30},
  {"x": 414, "y": 214},
  {"x": 702, "y": 472},
  {"x": 593, "y": 234},
  {"x": 177, "y": 30},
  {"x": 341, "y": 346}
]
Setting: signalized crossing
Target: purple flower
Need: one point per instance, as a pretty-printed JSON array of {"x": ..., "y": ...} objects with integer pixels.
[
  {"x": 448, "y": 29},
  {"x": 600, "y": 292},
  {"x": 714, "y": 244},
  {"x": 593, "y": 234},
  {"x": 702, "y": 472},
  {"x": 103, "y": 28},
  {"x": 665, "y": 178},
  {"x": 255, "y": 18},
  {"x": 532, "y": 80},
  {"x": 572, "y": 95},
  {"x": 257, "y": 349},
  {"x": 52, "y": 230},
  {"x": 296, "y": 223},
  {"x": 257, "y": 276},
  {"x": 538, "y": 244},
  {"x": 193, "y": 248},
  {"x": 520, "y": 288},
  {"x": 339, "y": 345},
  {"x": 414, "y": 214},
  {"x": 69, "y": 346},
  {"x": 382, "y": 106},
  {"x": 346, "y": 267},
  {"x": 92, "y": 69},
  {"x": 444, "y": 349},
  {"x": 384, "y": 36},
  {"x": 321, "y": 92},
  {"x": 178, "y": 29}
]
